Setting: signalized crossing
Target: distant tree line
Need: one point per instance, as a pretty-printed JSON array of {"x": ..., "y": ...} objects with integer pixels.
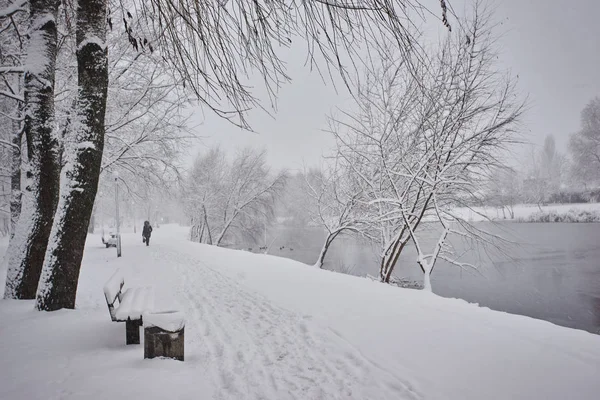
[{"x": 548, "y": 176}]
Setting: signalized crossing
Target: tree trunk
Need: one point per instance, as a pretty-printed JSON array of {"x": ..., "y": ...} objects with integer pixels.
[
  {"x": 207, "y": 226},
  {"x": 15, "y": 178},
  {"x": 389, "y": 263},
  {"x": 427, "y": 281},
  {"x": 328, "y": 241},
  {"x": 28, "y": 247},
  {"x": 321, "y": 259},
  {"x": 224, "y": 231},
  {"x": 58, "y": 283}
]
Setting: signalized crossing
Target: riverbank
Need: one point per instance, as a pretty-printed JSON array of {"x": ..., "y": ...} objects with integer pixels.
[{"x": 577, "y": 212}]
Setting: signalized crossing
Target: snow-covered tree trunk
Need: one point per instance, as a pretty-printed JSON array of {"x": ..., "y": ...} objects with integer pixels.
[
  {"x": 228, "y": 223},
  {"x": 28, "y": 247},
  {"x": 427, "y": 281},
  {"x": 330, "y": 238},
  {"x": 15, "y": 179},
  {"x": 321, "y": 258},
  {"x": 391, "y": 255},
  {"x": 79, "y": 183},
  {"x": 206, "y": 227}
]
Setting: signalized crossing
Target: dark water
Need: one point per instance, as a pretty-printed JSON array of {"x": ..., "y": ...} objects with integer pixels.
[{"x": 551, "y": 273}]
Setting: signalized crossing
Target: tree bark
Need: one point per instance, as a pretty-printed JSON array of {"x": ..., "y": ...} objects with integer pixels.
[
  {"x": 330, "y": 238},
  {"x": 28, "y": 247},
  {"x": 389, "y": 262},
  {"x": 58, "y": 283},
  {"x": 207, "y": 226},
  {"x": 321, "y": 258},
  {"x": 15, "y": 178}
]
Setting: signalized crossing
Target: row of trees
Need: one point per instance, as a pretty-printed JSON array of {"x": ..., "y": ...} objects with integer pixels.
[
  {"x": 541, "y": 176},
  {"x": 549, "y": 176},
  {"x": 70, "y": 92},
  {"x": 231, "y": 200},
  {"x": 420, "y": 142},
  {"x": 584, "y": 146}
]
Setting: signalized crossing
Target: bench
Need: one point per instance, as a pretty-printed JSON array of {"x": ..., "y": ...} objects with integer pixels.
[{"x": 128, "y": 306}]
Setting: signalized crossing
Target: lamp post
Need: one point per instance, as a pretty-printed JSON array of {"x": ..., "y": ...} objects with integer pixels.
[
  {"x": 117, "y": 213},
  {"x": 99, "y": 211}
]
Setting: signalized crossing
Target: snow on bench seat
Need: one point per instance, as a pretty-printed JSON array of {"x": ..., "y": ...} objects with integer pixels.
[
  {"x": 134, "y": 303},
  {"x": 170, "y": 321},
  {"x": 113, "y": 287}
]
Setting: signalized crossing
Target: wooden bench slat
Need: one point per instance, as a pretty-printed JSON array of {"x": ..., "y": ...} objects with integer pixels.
[{"x": 134, "y": 303}]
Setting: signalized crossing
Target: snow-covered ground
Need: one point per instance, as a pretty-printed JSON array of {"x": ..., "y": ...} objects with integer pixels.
[
  {"x": 263, "y": 327},
  {"x": 523, "y": 211}
]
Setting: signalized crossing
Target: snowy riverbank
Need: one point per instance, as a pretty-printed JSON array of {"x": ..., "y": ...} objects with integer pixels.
[
  {"x": 580, "y": 212},
  {"x": 271, "y": 328}
]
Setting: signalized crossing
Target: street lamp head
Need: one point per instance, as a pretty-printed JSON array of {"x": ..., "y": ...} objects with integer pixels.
[{"x": 116, "y": 175}]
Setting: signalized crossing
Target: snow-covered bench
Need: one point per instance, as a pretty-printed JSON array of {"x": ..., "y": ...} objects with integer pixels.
[{"x": 128, "y": 306}]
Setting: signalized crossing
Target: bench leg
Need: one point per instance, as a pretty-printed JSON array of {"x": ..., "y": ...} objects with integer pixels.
[
  {"x": 161, "y": 343},
  {"x": 132, "y": 331}
]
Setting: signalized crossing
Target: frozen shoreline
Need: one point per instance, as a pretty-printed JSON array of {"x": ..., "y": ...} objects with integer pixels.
[{"x": 524, "y": 212}]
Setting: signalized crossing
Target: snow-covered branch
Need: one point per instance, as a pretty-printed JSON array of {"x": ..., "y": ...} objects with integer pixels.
[
  {"x": 231, "y": 200},
  {"x": 420, "y": 144}
]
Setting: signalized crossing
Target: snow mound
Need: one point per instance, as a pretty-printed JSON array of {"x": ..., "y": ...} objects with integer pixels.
[{"x": 170, "y": 321}]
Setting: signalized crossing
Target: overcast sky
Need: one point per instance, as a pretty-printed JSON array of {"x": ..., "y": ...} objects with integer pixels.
[{"x": 552, "y": 45}]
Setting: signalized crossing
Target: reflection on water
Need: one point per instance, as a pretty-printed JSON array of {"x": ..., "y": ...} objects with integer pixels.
[{"x": 553, "y": 273}]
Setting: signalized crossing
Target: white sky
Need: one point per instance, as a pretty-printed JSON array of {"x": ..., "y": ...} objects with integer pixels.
[{"x": 552, "y": 45}]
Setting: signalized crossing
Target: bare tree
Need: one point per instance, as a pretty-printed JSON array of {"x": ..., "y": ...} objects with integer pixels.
[
  {"x": 421, "y": 147},
  {"x": 584, "y": 145},
  {"x": 12, "y": 45},
  {"x": 335, "y": 205},
  {"x": 545, "y": 173},
  {"x": 215, "y": 45},
  {"x": 7, "y": 218},
  {"x": 27, "y": 250},
  {"x": 552, "y": 165},
  {"x": 535, "y": 188},
  {"x": 204, "y": 191},
  {"x": 232, "y": 201},
  {"x": 504, "y": 190},
  {"x": 146, "y": 121}
]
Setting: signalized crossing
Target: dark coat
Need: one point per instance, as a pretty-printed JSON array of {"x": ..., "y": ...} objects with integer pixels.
[{"x": 147, "y": 231}]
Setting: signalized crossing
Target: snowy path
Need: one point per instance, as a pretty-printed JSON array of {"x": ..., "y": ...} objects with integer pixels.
[
  {"x": 255, "y": 350},
  {"x": 261, "y": 327}
]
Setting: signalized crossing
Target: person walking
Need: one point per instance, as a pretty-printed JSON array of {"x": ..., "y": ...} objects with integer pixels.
[{"x": 146, "y": 233}]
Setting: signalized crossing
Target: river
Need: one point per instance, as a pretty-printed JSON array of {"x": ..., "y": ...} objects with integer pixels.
[{"x": 551, "y": 272}]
